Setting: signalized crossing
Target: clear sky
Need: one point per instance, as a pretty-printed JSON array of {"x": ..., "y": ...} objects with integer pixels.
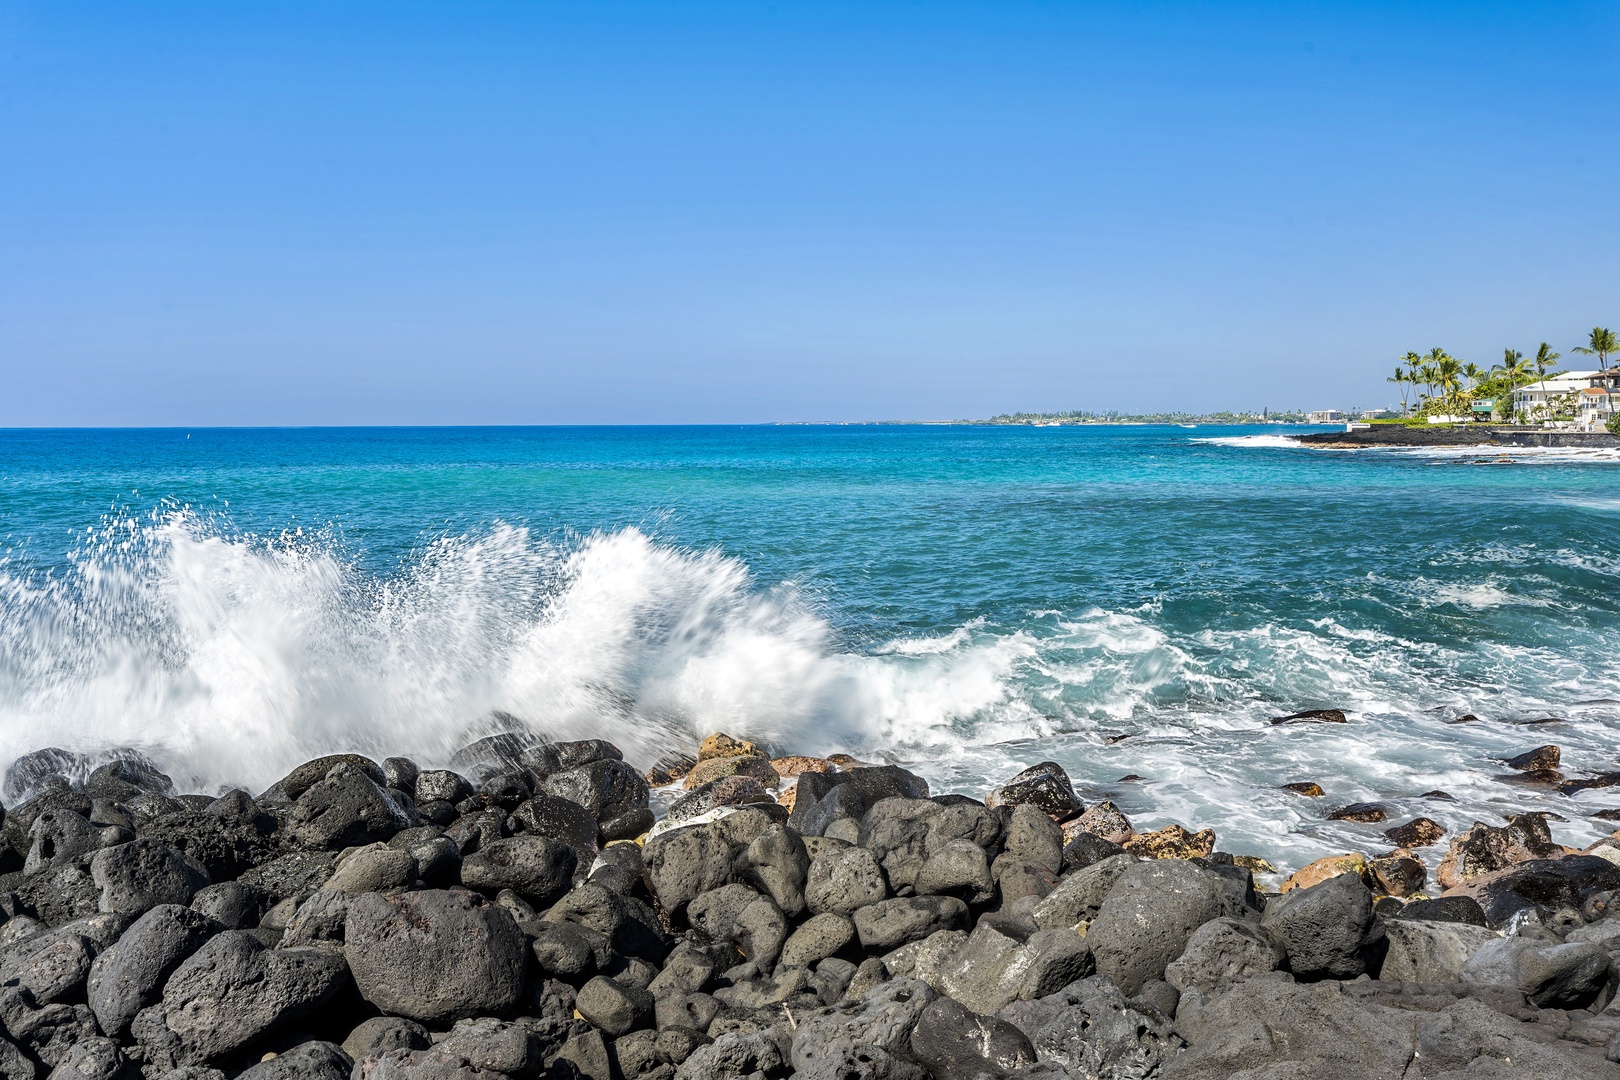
[{"x": 250, "y": 213}]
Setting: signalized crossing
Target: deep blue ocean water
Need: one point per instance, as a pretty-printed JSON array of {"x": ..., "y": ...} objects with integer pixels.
[{"x": 967, "y": 600}]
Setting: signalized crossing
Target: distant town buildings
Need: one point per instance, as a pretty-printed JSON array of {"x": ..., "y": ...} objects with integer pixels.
[
  {"x": 1592, "y": 396},
  {"x": 1324, "y": 416}
]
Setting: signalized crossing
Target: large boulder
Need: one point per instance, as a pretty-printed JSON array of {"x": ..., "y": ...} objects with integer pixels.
[
  {"x": 777, "y": 862},
  {"x": 348, "y": 807},
  {"x": 681, "y": 864},
  {"x": 889, "y": 924},
  {"x": 1324, "y": 929},
  {"x": 537, "y": 868},
  {"x": 1485, "y": 849},
  {"x": 129, "y": 976},
  {"x": 1079, "y": 897},
  {"x": 613, "y": 792},
  {"x": 1423, "y": 951},
  {"x": 1568, "y": 976},
  {"x": 1045, "y": 786},
  {"x": 1090, "y": 1029},
  {"x": 862, "y": 788},
  {"x": 1222, "y": 953},
  {"x": 306, "y": 1061},
  {"x": 1541, "y": 887},
  {"x": 880, "y": 1022},
  {"x": 955, "y": 1044},
  {"x": 232, "y": 992},
  {"x": 435, "y": 956},
  {"x": 137, "y": 876},
  {"x": 1148, "y": 918},
  {"x": 843, "y": 880}
]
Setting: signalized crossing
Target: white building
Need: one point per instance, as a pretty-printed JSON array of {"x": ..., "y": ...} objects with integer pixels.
[
  {"x": 1324, "y": 416},
  {"x": 1590, "y": 396}
]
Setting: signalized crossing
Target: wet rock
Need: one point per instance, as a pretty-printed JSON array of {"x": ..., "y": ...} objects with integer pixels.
[
  {"x": 233, "y": 991},
  {"x": 881, "y": 1022},
  {"x": 1366, "y": 813},
  {"x": 859, "y": 789},
  {"x": 1324, "y": 929},
  {"x": 1104, "y": 819},
  {"x": 1312, "y": 716},
  {"x": 607, "y": 789},
  {"x": 139, "y": 875},
  {"x": 442, "y": 785},
  {"x": 1172, "y": 842},
  {"x": 1307, "y": 788},
  {"x": 346, "y": 808},
  {"x": 537, "y": 868},
  {"x": 1222, "y": 953},
  {"x": 17, "y": 827},
  {"x": 1541, "y": 758},
  {"x": 1484, "y": 849},
  {"x": 743, "y": 767},
  {"x": 1419, "y": 832},
  {"x": 721, "y": 745},
  {"x": 1551, "y": 976},
  {"x": 1045, "y": 786},
  {"x": 1398, "y": 874},
  {"x": 955, "y": 1044},
  {"x": 1147, "y": 919},
  {"x": 889, "y": 924},
  {"x": 1543, "y": 887},
  {"x": 669, "y": 768},
  {"x": 129, "y": 976},
  {"x": 1588, "y": 783},
  {"x": 39, "y": 768},
  {"x": 436, "y": 955},
  {"x": 1326, "y": 869},
  {"x": 845, "y": 880},
  {"x": 791, "y": 768},
  {"x": 1422, "y": 951},
  {"x": 1085, "y": 849},
  {"x": 1089, "y": 1029},
  {"x": 1458, "y": 909}
]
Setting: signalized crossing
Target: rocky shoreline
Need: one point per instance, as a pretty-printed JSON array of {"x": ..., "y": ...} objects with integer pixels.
[
  {"x": 1469, "y": 435},
  {"x": 525, "y": 914}
]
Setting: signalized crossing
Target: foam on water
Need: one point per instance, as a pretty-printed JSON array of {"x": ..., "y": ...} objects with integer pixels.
[{"x": 230, "y": 657}]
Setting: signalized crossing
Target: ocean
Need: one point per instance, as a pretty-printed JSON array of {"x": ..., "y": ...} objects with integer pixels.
[{"x": 963, "y": 600}]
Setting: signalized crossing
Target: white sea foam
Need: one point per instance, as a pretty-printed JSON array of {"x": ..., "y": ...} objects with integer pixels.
[
  {"x": 231, "y": 658},
  {"x": 1287, "y": 442}
]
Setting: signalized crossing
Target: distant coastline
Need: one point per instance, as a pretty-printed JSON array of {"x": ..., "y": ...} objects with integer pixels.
[{"x": 1078, "y": 419}]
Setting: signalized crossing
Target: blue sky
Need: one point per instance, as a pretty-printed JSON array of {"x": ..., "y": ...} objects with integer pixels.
[{"x": 251, "y": 213}]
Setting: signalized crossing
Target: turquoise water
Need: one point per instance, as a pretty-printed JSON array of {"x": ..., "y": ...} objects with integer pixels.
[{"x": 963, "y": 599}]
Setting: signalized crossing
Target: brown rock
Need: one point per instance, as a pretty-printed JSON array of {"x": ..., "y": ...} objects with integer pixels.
[
  {"x": 1485, "y": 849},
  {"x": 1254, "y": 864},
  {"x": 1364, "y": 812},
  {"x": 1542, "y": 757},
  {"x": 1612, "y": 814},
  {"x": 1419, "y": 832},
  {"x": 1438, "y": 794},
  {"x": 842, "y": 761},
  {"x": 1104, "y": 820},
  {"x": 715, "y": 768},
  {"x": 788, "y": 796},
  {"x": 720, "y": 745},
  {"x": 1313, "y": 716},
  {"x": 1331, "y": 867},
  {"x": 1398, "y": 874},
  {"x": 1535, "y": 777},
  {"x": 1305, "y": 787},
  {"x": 670, "y": 768},
  {"x": 790, "y": 767},
  {"x": 1172, "y": 842},
  {"x": 1465, "y": 718}
]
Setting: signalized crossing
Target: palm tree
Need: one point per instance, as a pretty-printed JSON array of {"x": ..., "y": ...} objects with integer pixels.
[
  {"x": 1400, "y": 378},
  {"x": 1512, "y": 371},
  {"x": 1545, "y": 358},
  {"x": 1600, "y": 343}
]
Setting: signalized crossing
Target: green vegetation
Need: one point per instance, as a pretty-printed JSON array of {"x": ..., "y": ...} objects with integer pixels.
[
  {"x": 1453, "y": 387},
  {"x": 1600, "y": 344}
]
